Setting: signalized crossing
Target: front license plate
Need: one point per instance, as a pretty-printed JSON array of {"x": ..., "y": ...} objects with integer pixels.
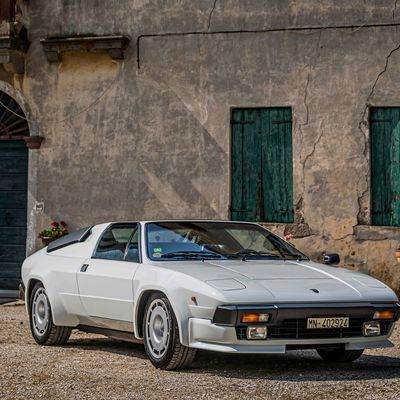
[{"x": 327, "y": 322}]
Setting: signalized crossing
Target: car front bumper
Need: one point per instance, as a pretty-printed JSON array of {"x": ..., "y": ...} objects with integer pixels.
[
  {"x": 223, "y": 332},
  {"x": 205, "y": 335}
]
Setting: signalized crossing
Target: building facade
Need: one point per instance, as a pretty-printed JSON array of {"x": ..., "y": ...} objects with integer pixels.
[{"x": 284, "y": 112}]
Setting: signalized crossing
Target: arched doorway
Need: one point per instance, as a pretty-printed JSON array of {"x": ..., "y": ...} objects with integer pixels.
[{"x": 13, "y": 193}]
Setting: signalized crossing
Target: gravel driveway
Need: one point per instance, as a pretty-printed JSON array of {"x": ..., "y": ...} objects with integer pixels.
[{"x": 94, "y": 367}]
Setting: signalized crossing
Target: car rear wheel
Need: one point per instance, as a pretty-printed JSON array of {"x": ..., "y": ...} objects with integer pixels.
[
  {"x": 339, "y": 354},
  {"x": 161, "y": 336},
  {"x": 41, "y": 321}
]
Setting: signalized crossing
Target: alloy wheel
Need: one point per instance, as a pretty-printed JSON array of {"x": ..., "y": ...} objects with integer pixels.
[
  {"x": 40, "y": 312},
  {"x": 158, "y": 323}
]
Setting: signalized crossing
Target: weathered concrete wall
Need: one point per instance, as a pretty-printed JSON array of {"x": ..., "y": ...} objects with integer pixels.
[{"x": 127, "y": 143}]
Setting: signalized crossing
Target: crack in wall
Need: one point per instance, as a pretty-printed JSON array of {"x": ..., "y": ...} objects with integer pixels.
[
  {"x": 313, "y": 151},
  {"x": 305, "y": 123},
  {"x": 307, "y": 110},
  {"x": 363, "y": 123},
  {"x": 303, "y": 229},
  {"x": 360, "y": 216},
  {"x": 353, "y": 28},
  {"x": 344, "y": 236},
  {"x": 210, "y": 15},
  {"x": 394, "y": 10},
  {"x": 84, "y": 110},
  {"x": 305, "y": 98}
]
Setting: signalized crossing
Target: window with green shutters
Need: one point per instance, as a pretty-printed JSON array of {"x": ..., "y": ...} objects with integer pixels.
[
  {"x": 262, "y": 167},
  {"x": 385, "y": 165}
]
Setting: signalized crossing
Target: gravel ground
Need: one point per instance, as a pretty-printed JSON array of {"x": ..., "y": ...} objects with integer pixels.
[{"x": 94, "y": 367}]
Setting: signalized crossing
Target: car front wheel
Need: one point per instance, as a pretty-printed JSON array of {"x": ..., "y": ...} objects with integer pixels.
[
  {"x": 339, "y": 354},
  {"x": 41, "y": 321},
  {"x": 161, "y": 336}
]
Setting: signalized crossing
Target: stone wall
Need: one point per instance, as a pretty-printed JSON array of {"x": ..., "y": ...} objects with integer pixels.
[{"x": 124, "y": 143}]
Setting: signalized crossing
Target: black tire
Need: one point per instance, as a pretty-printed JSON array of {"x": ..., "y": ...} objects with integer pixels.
[
  {"x": 43, "y": 329},
  {"x": 339, "y": 354},
  {"x": 170, "y": 354}
]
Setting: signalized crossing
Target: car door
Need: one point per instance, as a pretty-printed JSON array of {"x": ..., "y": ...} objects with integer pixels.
[{"x": 105, "y": 281}]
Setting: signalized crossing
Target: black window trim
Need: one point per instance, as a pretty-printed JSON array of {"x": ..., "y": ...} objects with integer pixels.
[{"x": 122, "y": 225}]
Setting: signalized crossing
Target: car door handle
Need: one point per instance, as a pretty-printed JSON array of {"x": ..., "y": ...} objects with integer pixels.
[{"x": 84, "y": 267}]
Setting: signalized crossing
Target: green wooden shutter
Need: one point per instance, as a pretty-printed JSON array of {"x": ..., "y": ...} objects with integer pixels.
[
  {"x": 262, "y": 168},
  {"x": 246, "y": 165},
  {"x": 13, "y": 208},
  {"x": 277, "y": 165},
  {"x": 385, "y": 165}
]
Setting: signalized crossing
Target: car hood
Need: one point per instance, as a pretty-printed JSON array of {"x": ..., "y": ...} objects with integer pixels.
[{"x": 284, "y": 281}]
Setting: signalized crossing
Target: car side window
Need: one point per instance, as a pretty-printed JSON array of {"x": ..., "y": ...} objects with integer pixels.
[
  {"x": 132, "y": 253},
  {"x": 113, "y": 243}
]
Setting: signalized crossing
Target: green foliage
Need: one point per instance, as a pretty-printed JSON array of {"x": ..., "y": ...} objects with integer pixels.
[{"x": 55, "y": 231}]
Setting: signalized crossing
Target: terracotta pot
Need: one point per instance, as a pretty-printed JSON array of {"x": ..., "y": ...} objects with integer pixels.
[
  {"x": 33, "y": 142},
  {"x": 47, "y": 240},
  {"x": 397, "y": 255}
]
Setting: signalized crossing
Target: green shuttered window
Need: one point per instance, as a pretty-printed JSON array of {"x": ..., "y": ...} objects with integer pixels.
[
  {"x": 385, "y": 165},
  {"x": 262, "y": 167}
]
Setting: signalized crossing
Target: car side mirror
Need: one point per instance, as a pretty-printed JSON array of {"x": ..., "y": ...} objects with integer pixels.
[{"x": 330, "y": 259}]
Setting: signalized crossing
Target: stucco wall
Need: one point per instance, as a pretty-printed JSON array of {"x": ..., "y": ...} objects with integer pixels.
[{"x": 123, "y": 143}]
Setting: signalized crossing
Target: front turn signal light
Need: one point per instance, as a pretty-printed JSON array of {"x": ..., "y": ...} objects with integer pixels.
[
  {"x": 246, "y": 318},
  {"x": 387, "y": 314}
]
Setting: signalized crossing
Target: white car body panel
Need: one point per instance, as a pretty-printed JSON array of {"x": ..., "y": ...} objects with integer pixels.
[
  {"x": 109, "y": 293},
  {"x": 106, "y": 289}
]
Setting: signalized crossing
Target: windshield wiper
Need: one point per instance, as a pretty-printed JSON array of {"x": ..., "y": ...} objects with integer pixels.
[
  {"x": 191, "y": 255},
  {"x": 254, "y": 253},
  {"x": 297, "y": 257}
]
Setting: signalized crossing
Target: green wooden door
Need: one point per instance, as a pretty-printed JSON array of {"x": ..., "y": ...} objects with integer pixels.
[
  {"x": 13, "y": 208},
  {"x": 262, "y": 168},
  {"x": 385, "y": 165}
]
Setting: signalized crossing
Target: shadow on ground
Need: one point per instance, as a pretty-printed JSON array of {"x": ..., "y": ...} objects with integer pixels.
[
  {"x": 295, "y": 366},
  {"x": 108, "y": 345}
]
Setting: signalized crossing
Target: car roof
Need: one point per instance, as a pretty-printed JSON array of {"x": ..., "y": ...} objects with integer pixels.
[{"x": 175, "y": 220}]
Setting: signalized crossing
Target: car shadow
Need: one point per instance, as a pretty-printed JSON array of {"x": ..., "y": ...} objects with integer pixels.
[
  {"x": 108, "y": 345},
  {"x": 296, "y": 366}
]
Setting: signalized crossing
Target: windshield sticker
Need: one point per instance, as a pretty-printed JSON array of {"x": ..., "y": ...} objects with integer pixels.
[
  {"x": 157, "y": 255},
  {"x": 157, "y": 250}
]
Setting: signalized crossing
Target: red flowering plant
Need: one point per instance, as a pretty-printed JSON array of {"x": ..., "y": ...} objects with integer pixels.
[
  {"x": 289, "y": 237},
  {"x": 56, "y": 230}
]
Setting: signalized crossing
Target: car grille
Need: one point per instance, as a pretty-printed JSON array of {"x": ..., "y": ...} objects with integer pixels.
[{"x": 297, "y": 329}]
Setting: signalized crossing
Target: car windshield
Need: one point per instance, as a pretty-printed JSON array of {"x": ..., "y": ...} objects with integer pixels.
[{"x": 184, "y": 240}]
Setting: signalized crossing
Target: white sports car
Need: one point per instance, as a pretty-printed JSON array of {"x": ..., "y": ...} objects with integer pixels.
[{"x": 179, "y": 286}]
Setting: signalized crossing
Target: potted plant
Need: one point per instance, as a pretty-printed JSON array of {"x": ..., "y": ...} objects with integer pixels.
[
  {"x": 33, "y": 142},
  {"x": 55, "y": 231}
]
